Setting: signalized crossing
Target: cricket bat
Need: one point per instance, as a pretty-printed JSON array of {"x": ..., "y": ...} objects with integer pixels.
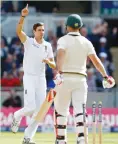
[
  {"x": 84, "y": 120},
  {"x": 100, "y": 122},
  {"x": 94, "y": 122},
  {"x": 45, "y": 106}
]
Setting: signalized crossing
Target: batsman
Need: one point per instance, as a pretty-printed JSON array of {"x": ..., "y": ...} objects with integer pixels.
[{"x": 72, "y": 52}]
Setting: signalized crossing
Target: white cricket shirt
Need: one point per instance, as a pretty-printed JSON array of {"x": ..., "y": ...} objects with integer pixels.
[
  {"x": 34, "y": 53},
  {"x": 77, "y": 49}
]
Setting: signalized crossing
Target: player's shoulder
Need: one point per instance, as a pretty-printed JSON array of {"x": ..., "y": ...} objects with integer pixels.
[
  {"x": 87, "y": 41},
  {"x": 62, "y": 39},
  {"x": 31, "y": 39}
]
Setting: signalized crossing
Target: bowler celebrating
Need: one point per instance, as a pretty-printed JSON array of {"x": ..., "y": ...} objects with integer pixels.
[
  {"x": 37, "y": 52},
  {"x": 72, "y": 52}
]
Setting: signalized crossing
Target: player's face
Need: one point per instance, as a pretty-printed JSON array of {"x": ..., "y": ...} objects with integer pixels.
[{"x": 39, "y": 33}]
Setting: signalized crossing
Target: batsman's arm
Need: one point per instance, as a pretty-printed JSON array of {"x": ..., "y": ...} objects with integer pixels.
[
  {"x": 60, "y": 59},
  {"x": 98, "y": 64},
  {"x": 22, "y": 36}
]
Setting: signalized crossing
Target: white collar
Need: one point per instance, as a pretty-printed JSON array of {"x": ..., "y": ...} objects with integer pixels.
[
  {"x": 35, "y": 42},
  {"x": 74, "y": 33}
]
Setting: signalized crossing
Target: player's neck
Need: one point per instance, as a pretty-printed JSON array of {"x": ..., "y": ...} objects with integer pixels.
[
  {"x": 73, "y": 30},
  {"x": 39, "y": 40}
]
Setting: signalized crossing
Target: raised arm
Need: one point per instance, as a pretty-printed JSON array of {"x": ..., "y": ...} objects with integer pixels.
[{"x": 22, "y": 36}]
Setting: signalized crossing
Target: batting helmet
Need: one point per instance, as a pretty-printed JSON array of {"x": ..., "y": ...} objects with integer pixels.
[{"x": 74, "y": 21}]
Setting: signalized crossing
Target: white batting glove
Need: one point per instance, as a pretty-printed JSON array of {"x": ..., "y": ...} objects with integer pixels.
[
  {"x": 58, "y": 79},
  {"x": 108, "y": 82}
]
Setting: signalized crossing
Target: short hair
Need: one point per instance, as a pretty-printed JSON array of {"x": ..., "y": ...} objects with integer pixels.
[{"x": 37, "y": 25}]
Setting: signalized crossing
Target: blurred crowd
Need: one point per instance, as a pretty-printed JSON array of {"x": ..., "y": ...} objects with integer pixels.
[
  {"x": 101, "y": 36},
  {"x": 11, "y": 6},
  {"x": 34, "y": 6},
  {"x": 13, "y": 100}
]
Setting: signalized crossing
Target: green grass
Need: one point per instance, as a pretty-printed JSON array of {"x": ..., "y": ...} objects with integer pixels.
[{"x": 48, "y": 138}]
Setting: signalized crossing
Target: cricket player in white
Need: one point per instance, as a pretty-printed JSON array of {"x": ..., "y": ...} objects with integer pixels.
[
  {"x": 72, "y": 52},
  {"x": 37, "y": 52}
]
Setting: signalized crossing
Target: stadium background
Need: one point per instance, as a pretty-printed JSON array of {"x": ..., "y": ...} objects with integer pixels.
[{"x": 100, "y": 27}]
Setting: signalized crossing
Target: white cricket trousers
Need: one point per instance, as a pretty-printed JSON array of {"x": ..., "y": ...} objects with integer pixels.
[
  {"x": 34, "y": 96},
  {"x": 74, "y": 88}
]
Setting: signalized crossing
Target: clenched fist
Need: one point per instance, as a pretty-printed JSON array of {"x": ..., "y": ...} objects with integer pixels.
[{"x": 25, "y": 11}]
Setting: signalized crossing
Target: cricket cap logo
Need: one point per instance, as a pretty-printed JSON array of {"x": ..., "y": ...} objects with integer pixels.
[{"x": 76, "y": 24}]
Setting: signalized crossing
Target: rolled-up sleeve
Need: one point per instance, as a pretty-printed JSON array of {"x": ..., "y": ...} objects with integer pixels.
[
  {"x": 61, "y": 44},
  {"x": 91, "y": 49}
]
